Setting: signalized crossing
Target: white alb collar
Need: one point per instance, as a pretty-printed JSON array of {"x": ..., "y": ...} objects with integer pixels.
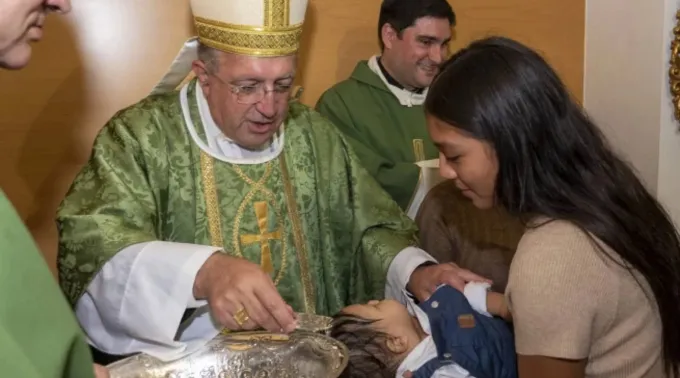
[{"x": 406, "y": 98}]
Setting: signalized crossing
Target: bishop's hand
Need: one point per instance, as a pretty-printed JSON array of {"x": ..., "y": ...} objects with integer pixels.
[
  {"x": 241, "y": 295},
  {"x": 426, "y": 278}
]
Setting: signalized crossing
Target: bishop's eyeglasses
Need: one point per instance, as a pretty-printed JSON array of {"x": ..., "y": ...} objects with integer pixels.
[{"x": 252, "y": 94}]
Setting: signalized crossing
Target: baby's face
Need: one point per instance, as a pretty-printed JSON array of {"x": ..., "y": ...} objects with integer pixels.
[{"x": 392, "y": 318}]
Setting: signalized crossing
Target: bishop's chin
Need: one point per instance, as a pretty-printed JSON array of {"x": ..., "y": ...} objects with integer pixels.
[{"x": 258, "y": 143}]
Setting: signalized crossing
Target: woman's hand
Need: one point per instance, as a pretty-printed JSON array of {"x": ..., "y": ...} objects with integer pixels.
[{"x": 497, "y": 306}]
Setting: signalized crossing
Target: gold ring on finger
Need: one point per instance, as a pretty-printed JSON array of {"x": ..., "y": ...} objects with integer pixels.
[{"x": 241, "y": 317}]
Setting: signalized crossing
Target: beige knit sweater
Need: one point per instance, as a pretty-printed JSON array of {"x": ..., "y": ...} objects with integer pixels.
[{"x": 569, "y": 301}]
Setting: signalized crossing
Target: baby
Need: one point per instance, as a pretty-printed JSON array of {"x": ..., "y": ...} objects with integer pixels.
[
  {"x": 452, "y": 335},
  {"x": 448, "y": 337}
]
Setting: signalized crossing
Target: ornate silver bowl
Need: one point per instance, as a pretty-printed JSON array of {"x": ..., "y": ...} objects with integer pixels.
[{"x": 302, "y": 354}]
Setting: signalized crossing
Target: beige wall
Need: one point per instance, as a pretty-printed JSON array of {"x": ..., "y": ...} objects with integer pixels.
[
  {"x": 626, "y": 87},
  {"x": 108, "y": 54},
  {"x": 102, "y": 57},
  {"x": 343, "y": 32}
]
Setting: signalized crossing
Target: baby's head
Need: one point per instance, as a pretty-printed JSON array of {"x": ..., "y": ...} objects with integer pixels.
[{"x": 379, "y": 335}]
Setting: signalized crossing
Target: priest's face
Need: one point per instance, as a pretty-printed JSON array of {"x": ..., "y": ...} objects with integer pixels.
[
  {"x": 21, "y": 23},
  {"x": 470, "y": 162},
  {"x": 248, "y": 96},
  {"x": 414, "y": 57}
]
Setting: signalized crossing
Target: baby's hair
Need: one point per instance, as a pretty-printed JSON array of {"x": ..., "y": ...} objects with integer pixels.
[{"x": 369, "y": 356}]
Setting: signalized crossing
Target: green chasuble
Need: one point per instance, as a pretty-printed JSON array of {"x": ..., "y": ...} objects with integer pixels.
[
  {"x": 39, "y": 335},
  {"x": 388, "y": 137},
  {"x": 312, "y": 217}
]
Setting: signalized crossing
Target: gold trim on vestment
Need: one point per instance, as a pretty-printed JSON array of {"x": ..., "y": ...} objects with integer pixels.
[
  {"x": 215, "y": 228},
  {"x": 275, "y": 40},
  {"x": 211, "y": 204},
  {"x": 307, "y": 287},
  {"x": 258, "y": 187},
  {"x": 418, "y": 150},
  {"x": 214, "y": 217}
]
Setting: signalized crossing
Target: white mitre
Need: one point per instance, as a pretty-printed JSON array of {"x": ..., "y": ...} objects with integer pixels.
[{"x": 248, "y": 27}]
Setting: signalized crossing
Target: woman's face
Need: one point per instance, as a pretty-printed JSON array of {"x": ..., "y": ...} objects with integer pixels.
[{"x": 470, "y": 162}]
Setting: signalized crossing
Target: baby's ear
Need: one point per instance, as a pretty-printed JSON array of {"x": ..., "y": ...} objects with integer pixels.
[{"x": 397, "y": 344}]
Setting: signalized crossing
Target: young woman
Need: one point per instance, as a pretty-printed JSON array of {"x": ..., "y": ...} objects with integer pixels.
[{"x": 594, "y": 286}]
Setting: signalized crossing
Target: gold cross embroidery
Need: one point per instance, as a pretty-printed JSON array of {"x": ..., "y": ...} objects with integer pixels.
[{"x": 261, "y": 212}]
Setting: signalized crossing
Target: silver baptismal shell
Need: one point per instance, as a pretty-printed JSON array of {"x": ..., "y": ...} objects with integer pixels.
[{"x": 302, "y": 354}]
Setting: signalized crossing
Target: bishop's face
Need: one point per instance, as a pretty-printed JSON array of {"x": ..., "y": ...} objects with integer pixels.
[
  {"x": 248, "y": 96},
  {"x": 21, "y": 23}
]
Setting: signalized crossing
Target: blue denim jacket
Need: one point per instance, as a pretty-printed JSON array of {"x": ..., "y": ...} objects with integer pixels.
[{"x": 482, "y": 345}]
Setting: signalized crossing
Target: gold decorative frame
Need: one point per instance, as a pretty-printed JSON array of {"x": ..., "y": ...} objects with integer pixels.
[{"x": 674, "y": 70}]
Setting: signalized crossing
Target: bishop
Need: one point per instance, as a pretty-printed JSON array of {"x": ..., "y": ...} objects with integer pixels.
[{"x": 223, "y": 202}]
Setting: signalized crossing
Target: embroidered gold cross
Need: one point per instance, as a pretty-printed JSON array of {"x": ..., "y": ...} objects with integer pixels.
[{"x": 261, "y": 211}]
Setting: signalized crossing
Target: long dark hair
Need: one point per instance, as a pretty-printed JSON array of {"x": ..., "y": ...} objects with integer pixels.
[{"x": 554, "y": 162}]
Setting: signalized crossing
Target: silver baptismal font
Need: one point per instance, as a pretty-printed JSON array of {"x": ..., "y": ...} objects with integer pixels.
[{"x": 306, "y": 353}]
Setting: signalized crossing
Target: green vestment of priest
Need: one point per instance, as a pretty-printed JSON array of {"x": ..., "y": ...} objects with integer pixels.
[
  {"x": 385, "y": 125},
  {"x": 165, "y": 188},
  {"x": 39, "y": 336},
  {"x": 313, "y": 217}
]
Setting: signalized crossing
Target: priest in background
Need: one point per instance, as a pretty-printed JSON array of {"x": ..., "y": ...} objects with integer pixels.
[
  {"x": 226, "y": 199},
  {"x": 379, "y": 108},
  {"x": 39, "y": 336}
]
